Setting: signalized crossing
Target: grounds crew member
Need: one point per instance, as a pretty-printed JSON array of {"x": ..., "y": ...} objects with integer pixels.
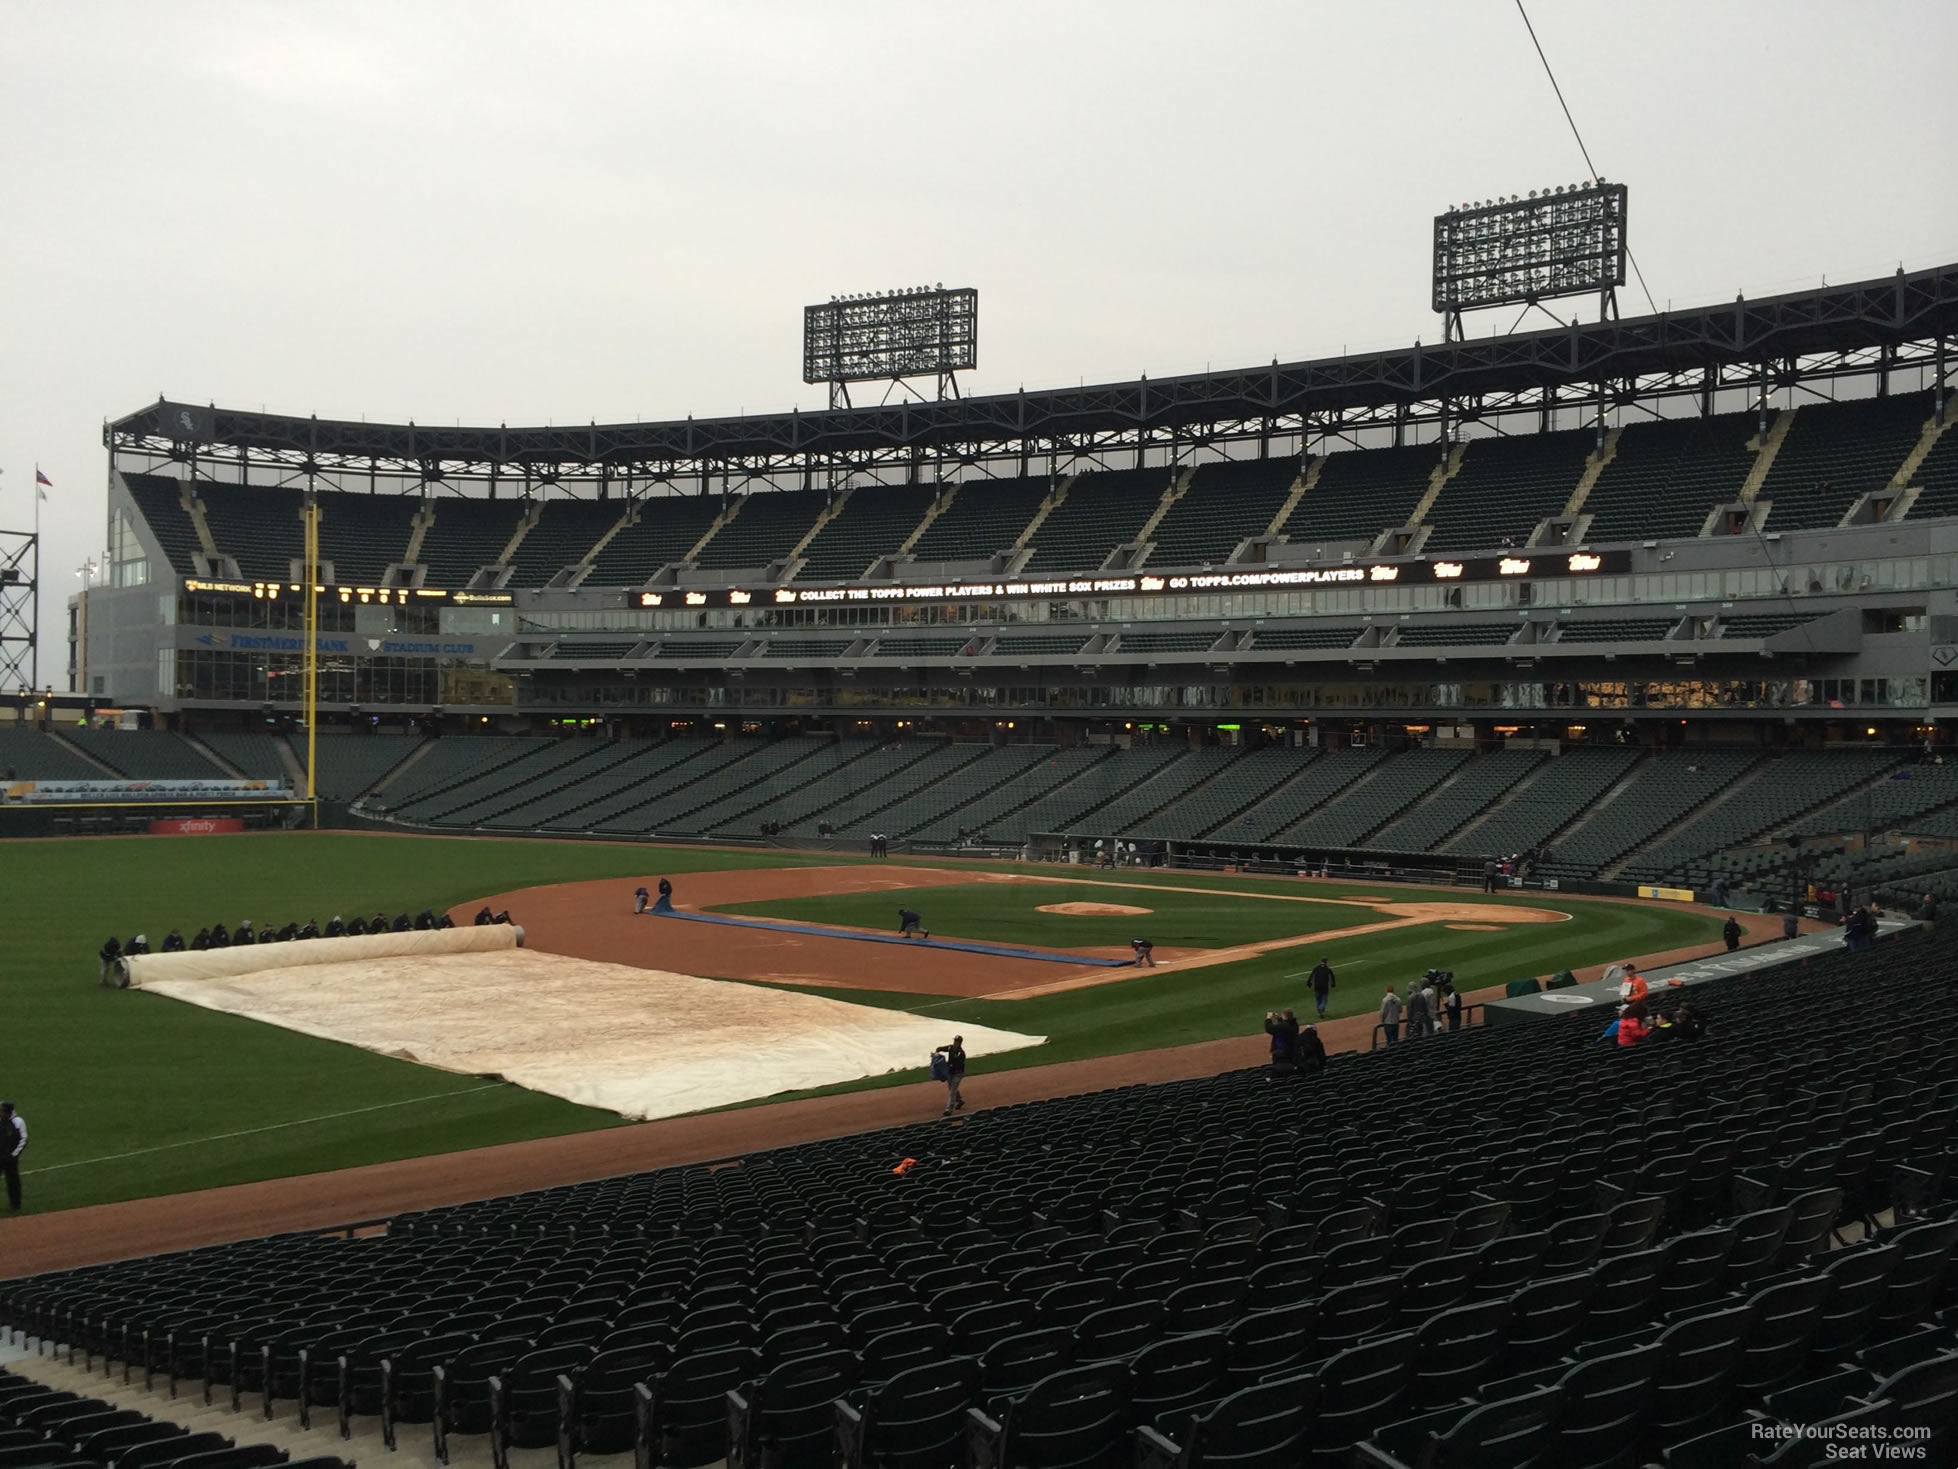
[
  {"x": 641, "y": 900},
  {"x": 908, "y": 924},
  {"x": 13, "y": 1142},
  {"x": 1322, "y": 985},
  {"x": 1145, "y": 953},
  {"x": 110, "y": 951},
  {"x": 954, "y": 1055},
  {"x": 1730, "y": 931}
]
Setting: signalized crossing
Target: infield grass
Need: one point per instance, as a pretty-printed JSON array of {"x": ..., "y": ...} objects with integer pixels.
[{"x": 1003, "y": 912}]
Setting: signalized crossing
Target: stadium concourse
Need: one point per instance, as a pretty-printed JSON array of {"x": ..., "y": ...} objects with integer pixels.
[{"x": 1233, "y": 1269}]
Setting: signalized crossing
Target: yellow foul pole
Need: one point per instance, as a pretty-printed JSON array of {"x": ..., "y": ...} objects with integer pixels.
[{"x": 312, "y": 661}]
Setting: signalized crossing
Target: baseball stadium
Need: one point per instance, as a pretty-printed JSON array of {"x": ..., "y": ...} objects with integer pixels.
[{"x": 1291, "y": 915}]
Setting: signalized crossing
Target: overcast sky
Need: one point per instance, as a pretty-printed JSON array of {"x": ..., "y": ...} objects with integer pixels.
[{"x": 498, "y": 212}]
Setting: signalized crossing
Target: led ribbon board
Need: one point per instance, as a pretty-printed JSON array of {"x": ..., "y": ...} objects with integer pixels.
[{"x": 1530, "y": 565}]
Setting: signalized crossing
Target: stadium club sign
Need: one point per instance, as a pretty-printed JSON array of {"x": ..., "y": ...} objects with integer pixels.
[{"x": 1516, "y": 566}]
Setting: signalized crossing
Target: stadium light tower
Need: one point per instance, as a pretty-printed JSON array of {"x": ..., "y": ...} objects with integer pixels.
[
  {"x": 1508, "y": 252},
  {"x": 20, "y": 638},
  {"x": 889, "y": 336}
]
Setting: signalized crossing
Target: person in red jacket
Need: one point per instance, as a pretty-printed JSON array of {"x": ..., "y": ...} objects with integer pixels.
[{"x": 1633, "y": 1026}]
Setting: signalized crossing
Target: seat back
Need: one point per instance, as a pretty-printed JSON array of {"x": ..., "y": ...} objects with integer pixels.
[
  {"x": 1862, "y": 1276},
  {"x": 1014, "y": 1364},
  {"x": 1786, "y": 1319},
  {"x": 1358, "y": 1388},
  {"x": 1119, "y": 1330},
  {"x": 1545, "y": 1318},
  {"x": 1266, "y": 1343},
  {"x": 1701, "y": 1356},
  {"x": 918, "y": 1417},
  {"x": 1516, "y": 1431},
  {"x": 1456, "y": 1349},
  {"x": 1178, "y": 1372},
  {"x": 1261, "y": 1427},
  {"x": 1605, "y": 1401},
  {"x": 1076, "y": 1418}
]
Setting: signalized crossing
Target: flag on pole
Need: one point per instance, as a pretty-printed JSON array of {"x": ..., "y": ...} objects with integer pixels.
[{"x": 42, "y": 484}]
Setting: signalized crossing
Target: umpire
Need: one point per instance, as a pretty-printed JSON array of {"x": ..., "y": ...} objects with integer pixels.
[{"x": 13, "y": 1142}]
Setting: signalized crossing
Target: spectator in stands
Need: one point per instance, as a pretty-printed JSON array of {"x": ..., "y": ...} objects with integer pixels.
[
  {"x": 173, "y": 941},
  {"x": 1633, "y": 1026},
  {"x": 1730, "y": 931},
  {"x": 13, "y": 1142},
  {"x": 201, "y": 940},
  {"x": 220, "y": 936},
  {"x": 1451, "y": 1006},
  {"x": 642, "y": 899},
  {"x": 1145, "y": 953},
  {"x": 1717, "y": 893},
  {"x": 1311, "y": 1055},
  {"x": 1284, "y": 1032},
  {"x": 954, "y": 1055},
  {"x": 335, "y": 928},
  {"x": 909, "y": 924},
  {"x": 1859, "y": 930},
  {"x": 483, "y": 916},
  {"x": 1390, "y": 1015},
  {"x": 1420, "y": 1010},
  {"x": 1927, "y": 910},
  {"x": 1687, "y": 1023},
  {"x": 110, "y": 951},
  {"x": 1323, "y": 982}
]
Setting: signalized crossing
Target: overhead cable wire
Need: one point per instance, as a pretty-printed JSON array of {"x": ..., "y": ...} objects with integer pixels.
[{"x": 1651, "y": 305}]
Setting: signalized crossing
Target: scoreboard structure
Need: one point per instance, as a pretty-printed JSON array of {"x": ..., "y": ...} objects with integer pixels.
[
  {"x": 890, "y": 337},
  {"x": 1523, "y": 252}
]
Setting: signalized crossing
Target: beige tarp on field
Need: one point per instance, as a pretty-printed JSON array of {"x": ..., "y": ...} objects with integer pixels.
[
  {"x": 640, "y": 1042},
  {"x": 145, "y": 970}
]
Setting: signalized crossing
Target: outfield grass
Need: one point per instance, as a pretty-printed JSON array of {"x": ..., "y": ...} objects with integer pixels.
[
  {"x": 129, "y": 1094},
  {"x": 155, "y": 1088}
]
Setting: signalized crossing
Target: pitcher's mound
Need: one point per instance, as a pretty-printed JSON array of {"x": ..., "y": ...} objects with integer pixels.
[{"x": 1092, "y": 910}]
